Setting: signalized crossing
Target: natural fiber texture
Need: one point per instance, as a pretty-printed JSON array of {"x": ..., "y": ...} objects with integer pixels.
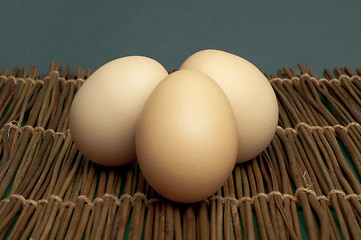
[{"x": 306, "y": 184}]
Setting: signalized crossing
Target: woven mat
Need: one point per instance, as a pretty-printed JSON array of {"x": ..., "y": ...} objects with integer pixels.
[{"x": 306, "y": 184}]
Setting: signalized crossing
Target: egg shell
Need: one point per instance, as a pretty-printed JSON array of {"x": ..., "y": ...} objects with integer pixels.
[
  {"x": 106, "y": 108},
  {"x": 250, "y": 93},
  {"x": 186, "y": 137}
]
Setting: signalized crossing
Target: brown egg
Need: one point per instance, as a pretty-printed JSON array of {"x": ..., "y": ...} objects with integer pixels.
[
  {"x": 250, "y": 94},
  {"x": 186, "y": 137},
  {"x": 106, "y": 108}
]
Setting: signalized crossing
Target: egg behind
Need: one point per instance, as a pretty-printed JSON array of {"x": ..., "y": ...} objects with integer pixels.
[
  {"x": 106, "y": 108},
  {"x": 186, "y": 137},
  {"x": 250, "y": 94}
]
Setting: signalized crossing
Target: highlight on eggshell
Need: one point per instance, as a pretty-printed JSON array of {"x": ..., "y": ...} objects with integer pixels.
[
  {"x": 106, "y": 108},
  {"x": 251, "y": 95}
]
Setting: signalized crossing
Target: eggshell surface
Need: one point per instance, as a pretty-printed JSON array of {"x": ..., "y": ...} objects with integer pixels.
[
  {"x": 250, "y": 94},
  {"x": 106, "y": 108},
  {"x": 186, "y": 137}
]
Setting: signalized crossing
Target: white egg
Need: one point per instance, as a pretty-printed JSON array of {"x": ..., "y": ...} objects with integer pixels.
[
  {"x": 106, "y": 108},
  {"x": 250, "y": 94}
]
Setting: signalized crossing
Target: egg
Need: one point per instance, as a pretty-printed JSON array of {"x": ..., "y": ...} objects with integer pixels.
[
  {"x": 186, "y": 137},
  {"x": 250, "y": 94},
  {"x": 106, "y": 108}
]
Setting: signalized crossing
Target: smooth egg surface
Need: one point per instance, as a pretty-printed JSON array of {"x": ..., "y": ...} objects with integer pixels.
[
  {"x": 250, "y": 94},
  {"x": 106, "y": 108},
  {"x": 186, "y": 137}
]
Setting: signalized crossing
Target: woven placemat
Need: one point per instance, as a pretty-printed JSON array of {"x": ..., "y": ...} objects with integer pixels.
[{"x": 306, "y": 184}]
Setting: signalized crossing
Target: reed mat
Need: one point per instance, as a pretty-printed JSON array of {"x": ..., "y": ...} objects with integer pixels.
[{"x": 305, "y": 185}]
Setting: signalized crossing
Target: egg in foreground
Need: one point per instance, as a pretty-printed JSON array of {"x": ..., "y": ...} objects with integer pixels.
[
  {"x": 186, "y": 137},
  {"x": 106, "y": 108},
  {"x": 250, "y": 94}
]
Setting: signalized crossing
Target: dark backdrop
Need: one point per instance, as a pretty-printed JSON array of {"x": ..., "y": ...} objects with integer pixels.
[{"x": 271, "y": 34}]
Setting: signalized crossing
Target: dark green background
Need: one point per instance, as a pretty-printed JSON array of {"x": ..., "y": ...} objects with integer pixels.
[{"x": 271, "y": 34}]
